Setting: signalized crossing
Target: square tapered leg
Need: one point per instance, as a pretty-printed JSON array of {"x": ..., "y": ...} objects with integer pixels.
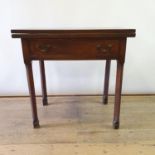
[
  {"x": 43, "y": 82},
  {"x": 118, "y": 91},
  {"x": 32, "y": 94},
  {"x": 106, "y": 81}
]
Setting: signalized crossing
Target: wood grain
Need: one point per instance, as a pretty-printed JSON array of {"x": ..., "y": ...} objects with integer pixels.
[
  {"x": 78, "y": 149},
  {"x": 105, "y": 44},
  {"x": 92, "y": 33},
  {"x": 78, "y": 125}
]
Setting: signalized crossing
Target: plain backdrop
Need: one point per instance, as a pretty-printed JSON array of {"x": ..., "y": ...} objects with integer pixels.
[{"x": 78, "y": 77}]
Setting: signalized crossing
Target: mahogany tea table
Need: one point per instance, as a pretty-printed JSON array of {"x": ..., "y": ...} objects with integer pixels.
[{"x": 97, "y": 44}]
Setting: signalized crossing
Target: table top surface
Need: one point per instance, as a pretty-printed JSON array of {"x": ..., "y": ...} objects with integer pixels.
[{"x": 72, "y": 33}]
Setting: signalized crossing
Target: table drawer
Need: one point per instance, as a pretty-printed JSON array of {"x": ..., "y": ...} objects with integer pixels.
[{"x": 74, "y": 49}]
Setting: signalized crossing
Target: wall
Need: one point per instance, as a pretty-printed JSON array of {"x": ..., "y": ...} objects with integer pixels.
[{"x": 78, "y": 77}]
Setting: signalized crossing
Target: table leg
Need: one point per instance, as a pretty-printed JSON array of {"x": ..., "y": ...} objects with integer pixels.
[
  {"x": 32, "y": 94},
  {"x": 43, "y": 82},
  {"x": 106, "y": 81},
  {"x": 118, "y": 91}
]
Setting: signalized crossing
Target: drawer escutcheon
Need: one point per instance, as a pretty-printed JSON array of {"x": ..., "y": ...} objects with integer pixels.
[
  {"x": 44, "y": 47},
  {"x": 100, "y": 48}
]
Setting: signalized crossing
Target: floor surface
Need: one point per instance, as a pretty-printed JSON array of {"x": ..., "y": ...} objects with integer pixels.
[{"x": 72, "y": 125}]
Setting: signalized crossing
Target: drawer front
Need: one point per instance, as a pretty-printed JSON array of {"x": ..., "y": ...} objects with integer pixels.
[{"x": 74, "y": 49}]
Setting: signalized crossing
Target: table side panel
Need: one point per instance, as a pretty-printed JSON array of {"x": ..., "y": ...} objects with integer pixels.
[{"x": 74, "y": 49}]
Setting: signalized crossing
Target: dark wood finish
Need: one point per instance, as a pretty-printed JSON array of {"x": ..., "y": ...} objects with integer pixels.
[
  {"x": 28, "y": 64},
  {"x": 32, "y": 94},
  {"x": 43, "y": 82},
  {"x": 119, "y": 77},
  {"x": 107, "y": 44},
  {"x": 106, "y": 82},
  {"x": 100, "y": 33},
  {"x": 74, "y": 49}
]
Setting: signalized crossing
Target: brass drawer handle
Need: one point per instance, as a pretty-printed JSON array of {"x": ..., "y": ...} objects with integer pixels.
[
  {"x": 104, "y": 49},
  {"x": 44, "y": 47},
  {"x": 109, "y": 45}
]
